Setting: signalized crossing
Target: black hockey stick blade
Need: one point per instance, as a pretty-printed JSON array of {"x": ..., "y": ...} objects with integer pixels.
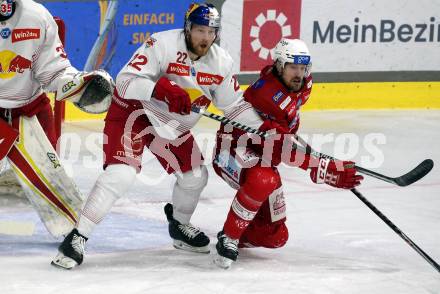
[
  {"x": 416, "y": 174},
  {"x": 407, "y": 179}
]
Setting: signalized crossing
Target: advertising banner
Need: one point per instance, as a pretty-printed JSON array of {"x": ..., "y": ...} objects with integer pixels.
[{"x": 342, "y": 35}]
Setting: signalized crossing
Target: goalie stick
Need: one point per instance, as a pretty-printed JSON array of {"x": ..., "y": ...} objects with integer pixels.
[{"x": 409, "y": 178}]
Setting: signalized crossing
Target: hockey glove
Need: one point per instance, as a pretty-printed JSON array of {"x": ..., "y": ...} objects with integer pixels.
[
  {"x": 339, "y": 174},
  {"x": 91, "y": 92},
  {"x": 169, "y": 92}
]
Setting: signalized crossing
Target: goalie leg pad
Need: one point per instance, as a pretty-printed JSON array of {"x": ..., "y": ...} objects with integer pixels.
[{"x": 45, "y": 183}]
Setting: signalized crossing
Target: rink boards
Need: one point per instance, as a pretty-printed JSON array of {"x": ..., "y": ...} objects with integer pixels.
[{"x": 331, "y": 96}]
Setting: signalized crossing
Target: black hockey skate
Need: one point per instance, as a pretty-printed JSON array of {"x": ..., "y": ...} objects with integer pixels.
[
  {"x": 186, "y": 237},
  {"x": 227, "y": 250},
  {"x": 71, "y": 251}
]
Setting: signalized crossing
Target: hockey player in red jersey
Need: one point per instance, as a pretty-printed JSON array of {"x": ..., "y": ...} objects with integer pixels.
[{"x": 258, "y": 213}]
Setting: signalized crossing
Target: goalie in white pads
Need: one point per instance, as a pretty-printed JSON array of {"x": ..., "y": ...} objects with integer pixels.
[
  {"x": 33, "y": 60},
  {"x": 151, "y": 107}
]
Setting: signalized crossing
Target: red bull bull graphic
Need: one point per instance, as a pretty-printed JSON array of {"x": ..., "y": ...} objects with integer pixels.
[{"x": 11, "y": 64}]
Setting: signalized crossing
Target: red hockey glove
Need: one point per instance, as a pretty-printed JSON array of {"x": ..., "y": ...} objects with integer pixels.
[
  {"x": 177, "y": 99},
  {"x": 339, "y": 174}
]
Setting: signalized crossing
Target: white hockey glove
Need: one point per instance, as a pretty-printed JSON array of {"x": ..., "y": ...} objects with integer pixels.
[{"x": 91, "y": 92}]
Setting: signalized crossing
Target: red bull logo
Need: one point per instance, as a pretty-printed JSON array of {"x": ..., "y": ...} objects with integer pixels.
[{"x": 11, "y": 64}]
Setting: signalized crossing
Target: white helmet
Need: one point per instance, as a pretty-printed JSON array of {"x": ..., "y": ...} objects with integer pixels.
[{"x": 294, "y": 51}]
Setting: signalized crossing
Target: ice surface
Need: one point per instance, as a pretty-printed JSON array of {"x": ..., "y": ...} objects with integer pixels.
[{"x": 336, "y": 245}]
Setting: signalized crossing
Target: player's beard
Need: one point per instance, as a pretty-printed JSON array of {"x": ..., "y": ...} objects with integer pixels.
[
  {"x": 200, "y": 49},
  {"x": 295, "y": 84}
]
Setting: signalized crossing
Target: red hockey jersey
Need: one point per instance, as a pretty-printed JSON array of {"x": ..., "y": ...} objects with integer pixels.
[{"x": 274, "y": 101}]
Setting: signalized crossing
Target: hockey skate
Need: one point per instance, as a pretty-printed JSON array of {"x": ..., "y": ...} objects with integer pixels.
[
  {"x": 227, "y": 250},
  {"x": 185, "y": 237},
  {"x": 71, "y": 251}
]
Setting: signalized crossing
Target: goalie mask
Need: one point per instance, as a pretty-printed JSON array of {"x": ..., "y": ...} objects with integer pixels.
[{"x": 90, "y": 92}]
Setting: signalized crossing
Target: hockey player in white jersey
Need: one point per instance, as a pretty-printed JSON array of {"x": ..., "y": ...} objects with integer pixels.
[
  {"x": 151, "y": 107},
  {"x": 32, "y": 61}
]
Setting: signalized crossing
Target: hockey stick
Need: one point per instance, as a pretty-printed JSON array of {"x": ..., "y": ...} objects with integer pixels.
[
  {"x": 104, "y": 30},
  {"x": 396, "y": 230},
  {"x": 407, "y": 179},
  {"x": 383, "y": 217},
  {"x": 417, "y": 173}
]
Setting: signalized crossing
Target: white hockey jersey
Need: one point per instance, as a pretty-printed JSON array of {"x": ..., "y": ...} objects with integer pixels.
[
  {"x": 210, "y": 78},
  {"x": 31, "y": 55}
]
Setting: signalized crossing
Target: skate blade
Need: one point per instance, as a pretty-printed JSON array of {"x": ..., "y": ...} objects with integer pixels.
[
  {"x": 63, "y": 262},
  {"x": 222, "y": 262},
  {"x": 184, "y": 246}
]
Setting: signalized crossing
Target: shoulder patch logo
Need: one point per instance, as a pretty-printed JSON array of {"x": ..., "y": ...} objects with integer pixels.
[
  {"x": 258, "y": 84},
  {"x": 150, "y": 42},
  {"x": 277, "y": 96},
  {"x": 5, "y": 33}
]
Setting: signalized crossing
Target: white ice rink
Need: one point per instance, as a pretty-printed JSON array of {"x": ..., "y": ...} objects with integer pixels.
[{"x": 336, "y": 245}]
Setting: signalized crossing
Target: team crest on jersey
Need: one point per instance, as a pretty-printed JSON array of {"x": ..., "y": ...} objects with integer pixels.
[
  {"x": 178, "y": 69},
  {"x": 5, "y": 33},
  {"x": 206, "y": 79},
  {"x": 19, "y": 35}
]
